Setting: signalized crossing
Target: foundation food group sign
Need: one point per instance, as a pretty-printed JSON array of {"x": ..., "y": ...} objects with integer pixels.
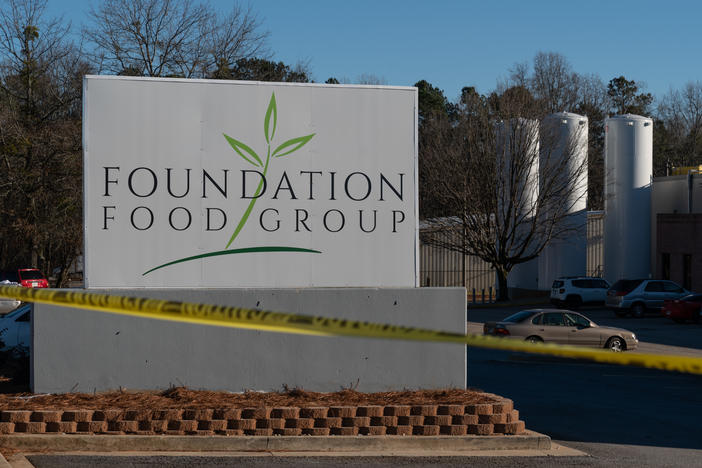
[{"x": 218, "y": 184}]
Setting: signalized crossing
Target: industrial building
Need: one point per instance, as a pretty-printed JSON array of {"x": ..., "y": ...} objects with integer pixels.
[
  {"x": 649, "y": 228},
  {"x": 676, "y": 228}
]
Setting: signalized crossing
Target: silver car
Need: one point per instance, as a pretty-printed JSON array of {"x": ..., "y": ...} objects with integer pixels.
[
  {"x": 561, "y": 327},
  {"x": 635, "y": 297}
]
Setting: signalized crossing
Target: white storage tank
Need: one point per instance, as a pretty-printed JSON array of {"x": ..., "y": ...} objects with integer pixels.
[
  {"x": 628, "y": 172},
  {"x": 563, "y": 167},
  {"x": 519, "y": 139}
]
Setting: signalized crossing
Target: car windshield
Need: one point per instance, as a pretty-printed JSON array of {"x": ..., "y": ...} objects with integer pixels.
[
  {"x": 520, "y": 316},
  {"x": 31, "y": 274},
  {"x": 557, "y": 284}
]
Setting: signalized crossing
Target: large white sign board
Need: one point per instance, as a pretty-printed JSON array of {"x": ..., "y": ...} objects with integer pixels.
[{"x": 222, "y": 184}]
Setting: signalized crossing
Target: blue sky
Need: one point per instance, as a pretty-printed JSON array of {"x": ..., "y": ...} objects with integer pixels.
[{"x": 453, "y": 43}]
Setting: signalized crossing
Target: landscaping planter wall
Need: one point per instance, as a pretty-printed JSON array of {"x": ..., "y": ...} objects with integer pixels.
[{"x": 428, "y": 420}]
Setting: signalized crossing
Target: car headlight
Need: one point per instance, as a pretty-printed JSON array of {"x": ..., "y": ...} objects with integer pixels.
[{"x": 633, "y": 336}]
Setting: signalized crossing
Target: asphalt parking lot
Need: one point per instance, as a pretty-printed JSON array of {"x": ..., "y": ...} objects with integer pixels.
[
  {"x": 619, "y": 416},
  {"x": 626, "y": 416}
]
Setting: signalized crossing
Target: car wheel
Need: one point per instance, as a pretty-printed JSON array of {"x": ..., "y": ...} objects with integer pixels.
[
  {"x": 574, "y": 302},
  {"x": 615, "y": 344},
  {"x": 638, "y": 310},
  {"x": 534, "y": 339}
]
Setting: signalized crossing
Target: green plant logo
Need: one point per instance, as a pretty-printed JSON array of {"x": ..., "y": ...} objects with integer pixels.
[
  {"x": 269, "y": 125},
  {"x": 286, "y": 148}
]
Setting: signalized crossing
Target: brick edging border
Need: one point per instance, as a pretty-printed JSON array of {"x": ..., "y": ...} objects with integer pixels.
[{"x": 498, "y": 417}]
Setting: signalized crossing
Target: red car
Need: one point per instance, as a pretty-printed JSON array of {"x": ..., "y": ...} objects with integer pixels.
[
  {"x": 32, "y": 278},
  {"x": 686, "y": 308}
]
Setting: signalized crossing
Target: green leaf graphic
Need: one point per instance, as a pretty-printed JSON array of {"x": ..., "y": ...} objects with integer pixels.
[
  {"x": 299, "y": 142},
  {"x": 238, "y": 146},
  {"x": 272, "y": 111}
]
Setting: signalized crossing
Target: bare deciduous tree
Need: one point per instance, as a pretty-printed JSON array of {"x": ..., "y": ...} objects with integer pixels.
[
  {"x": 171, "y": 37},
  {"x": 556, "y": 87},
  {"x": 519, "y": 74},
  {"x": 680, "y": 111},
  {"x": 483, "y": 175},
  {"x": 594, "y": 102},
  {"x": 371, "y": 79},
  {"x": 40, "y": 139},
  {"x": 554, "y": 82}
]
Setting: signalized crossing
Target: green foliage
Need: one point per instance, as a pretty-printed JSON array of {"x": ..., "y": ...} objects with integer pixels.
[
  {"x": 259, "y": 69},
  {"x": 432, "y": 102},
  {"x": 626, "y": 98}
]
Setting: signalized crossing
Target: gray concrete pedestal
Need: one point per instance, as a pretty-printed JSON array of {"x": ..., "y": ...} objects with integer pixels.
[{"x": 84, "y": 351}]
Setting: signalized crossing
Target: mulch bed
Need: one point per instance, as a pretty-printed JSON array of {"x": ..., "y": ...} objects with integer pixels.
[{"x": 180, "y": 397}]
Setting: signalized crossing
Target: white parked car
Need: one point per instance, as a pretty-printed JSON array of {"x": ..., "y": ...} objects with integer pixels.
[
  {"x": 7, "y": 304},
  {"x": 572, "y": 292},
  {"x": 15, "y": 328}
]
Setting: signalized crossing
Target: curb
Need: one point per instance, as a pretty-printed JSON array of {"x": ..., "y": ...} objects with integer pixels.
[{"x": 108, "y": 443}]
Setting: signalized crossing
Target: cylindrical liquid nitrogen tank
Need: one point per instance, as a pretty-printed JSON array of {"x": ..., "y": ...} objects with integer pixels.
[
  {"x": 563, "y": 170},
  {"x": 518, "y": 161},
  {"x": 628, "y": 172}
]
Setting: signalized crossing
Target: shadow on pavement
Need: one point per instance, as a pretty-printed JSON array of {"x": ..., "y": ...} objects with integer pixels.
[{"x": 589, "y": 402}]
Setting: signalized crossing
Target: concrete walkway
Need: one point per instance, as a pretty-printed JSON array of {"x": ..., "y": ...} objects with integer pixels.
[
  {"x": 106, "y": 443},
  {"x": 413, "y": 450},
  {"x": 530, "y": 444}
]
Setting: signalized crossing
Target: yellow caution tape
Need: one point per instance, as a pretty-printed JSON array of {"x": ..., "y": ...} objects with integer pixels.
[{"x": 238, "y": 317}]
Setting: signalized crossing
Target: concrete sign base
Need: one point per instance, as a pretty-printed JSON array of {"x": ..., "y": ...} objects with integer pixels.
[{"x": 84, "y": 351}]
